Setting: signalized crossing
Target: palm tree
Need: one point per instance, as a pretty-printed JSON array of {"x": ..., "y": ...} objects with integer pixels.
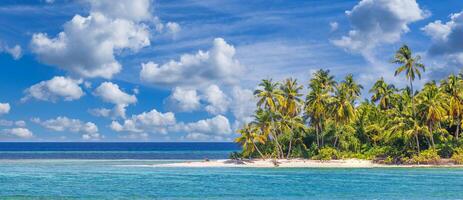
[
  {"x": 343, "y": 108},
  {"x": 410, "y": 65},
  {"x": 248, "y": 138},
  {"x": 353, "y": 88},
  {"x": 453, "y": 87},
  {"x": 288, "y": 126},
  {"x": 318, "y": 100},
  {"x": 290, "y": 110},
  {"x": 268, "y": 95},
  {"x": 264, "y": 120},
  {"x": 432, "y": 107},
  {"x": 383, "y": 93},
  {"x": 405, "y": 128},
  {"x": 291, "y": 97}
]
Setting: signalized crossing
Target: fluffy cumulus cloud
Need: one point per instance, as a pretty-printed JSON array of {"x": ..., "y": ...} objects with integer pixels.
[
  {"x": 135, "y": 10},
  {"x": 4, "y": 108},
  {"x": 447, "y": 38},
  {"x": 218, "y": 125},
  {"x": 88, "y": 44},
  {"x": 155, "y": 122},
  {"x": 111, "y": 93},
  {"x": 216, "y": 65},
  {"x": 184, "y": 100},
  {"x": 18, "y": 132},
  {"x": 146, "y": 122},
  {"x": 218, "y": 102},
  {"x": 88, "y": 130},
  {"x": 54, "y": 89},
  {"x": 379, "y": 21}
]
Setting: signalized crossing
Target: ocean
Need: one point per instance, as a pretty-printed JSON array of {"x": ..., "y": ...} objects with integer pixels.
[{"x": 123, "y": 171}]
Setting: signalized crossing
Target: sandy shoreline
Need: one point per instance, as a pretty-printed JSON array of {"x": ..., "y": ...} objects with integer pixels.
[{"x": 293, "y": 163}]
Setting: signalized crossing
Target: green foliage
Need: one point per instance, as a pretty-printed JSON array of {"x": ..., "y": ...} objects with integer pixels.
[
  {"x": 429, "y": 156},
  {"x": 457, "y": 156},
  {"x": 395, "y": 125},
  {"x": 327, "y": 153}
]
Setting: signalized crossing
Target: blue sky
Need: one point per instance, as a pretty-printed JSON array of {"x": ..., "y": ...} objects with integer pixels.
[{"x": 185, "y": 70}]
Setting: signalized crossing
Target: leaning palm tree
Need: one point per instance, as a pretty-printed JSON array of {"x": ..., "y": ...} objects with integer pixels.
[
  {"x": 248, "y": 139},
  {"x": 264, "y": 120},
  {"x": 289, "y": 125},
  {"x": 409, "y": 64}
]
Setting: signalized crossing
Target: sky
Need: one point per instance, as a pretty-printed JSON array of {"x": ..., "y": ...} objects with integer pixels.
[{"x": 185, "y": 70}]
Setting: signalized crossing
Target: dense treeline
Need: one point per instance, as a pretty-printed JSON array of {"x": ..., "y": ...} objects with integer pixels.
[{"x": 396, "y": 125}]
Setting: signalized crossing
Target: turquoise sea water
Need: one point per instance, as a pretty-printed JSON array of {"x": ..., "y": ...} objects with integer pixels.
[
  {"x": 125, "y": 171},
  {"x": 135, "y": 179}
]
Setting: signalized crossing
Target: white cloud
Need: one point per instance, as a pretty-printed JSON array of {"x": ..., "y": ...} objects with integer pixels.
[
  {"x": 217, "y": 65},
  {"x": 111, "y": 93},
  {"x": 218, "y": 101},
  {"x": 15, "y": 52},
  {"x": 88, "y": 130},
  {"x": 173, "y": 28},
  {"x": 146, "y": 122},
  {"x": 4, "y": 108},
  {"x": 19, "y": 123},
  {"x": 54, "y": 89},
  {"x": 334, "y": 26},
  {"x": 101, "y": 112},
  {"x": 197, "y": 137},
  {"x": 184, "y": 100},
  {"x": 218, "y": 125},
  {"x": 19, "y": 132},
  {"x": 135, "y": 10},
  {"x": 87, "y": 45},
  {"x": 376, "y": 22},
  {"x": 243, "y": 105},
  {"x": 447, "y": 39}
]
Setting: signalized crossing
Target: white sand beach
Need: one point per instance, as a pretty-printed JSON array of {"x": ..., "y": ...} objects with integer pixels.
[
  {"x": 292, "y": 163},
  {"x": 284, "y": 163}
]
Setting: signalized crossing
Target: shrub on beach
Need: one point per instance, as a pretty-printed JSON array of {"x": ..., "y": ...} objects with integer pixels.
[
  {"x": 327, "y": 153},
  {"x": 429, "y": 156},
  {"x": 457, "y": 156}
]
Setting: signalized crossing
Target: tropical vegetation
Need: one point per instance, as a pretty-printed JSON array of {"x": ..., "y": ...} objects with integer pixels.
[{"x": 329, "y": 121}]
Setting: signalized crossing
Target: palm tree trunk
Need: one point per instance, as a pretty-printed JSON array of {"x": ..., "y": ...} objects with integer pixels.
[
  {"x": 431, "y": 136},
  {"x": 290, "y": 145},
  {"x": 257, "y": 148},
  {"x": 278, "y": 145},
  {"x": 417, "y": 143},
  {"x": 318, "y": 135},
  {"x": 457, "y": 132},
  {"x": 413, "y": 99},
  {"x": 279, "y": 149}
]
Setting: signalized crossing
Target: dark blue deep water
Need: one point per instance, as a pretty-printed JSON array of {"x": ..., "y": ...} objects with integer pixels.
[{"x": 134, "y": 150}]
